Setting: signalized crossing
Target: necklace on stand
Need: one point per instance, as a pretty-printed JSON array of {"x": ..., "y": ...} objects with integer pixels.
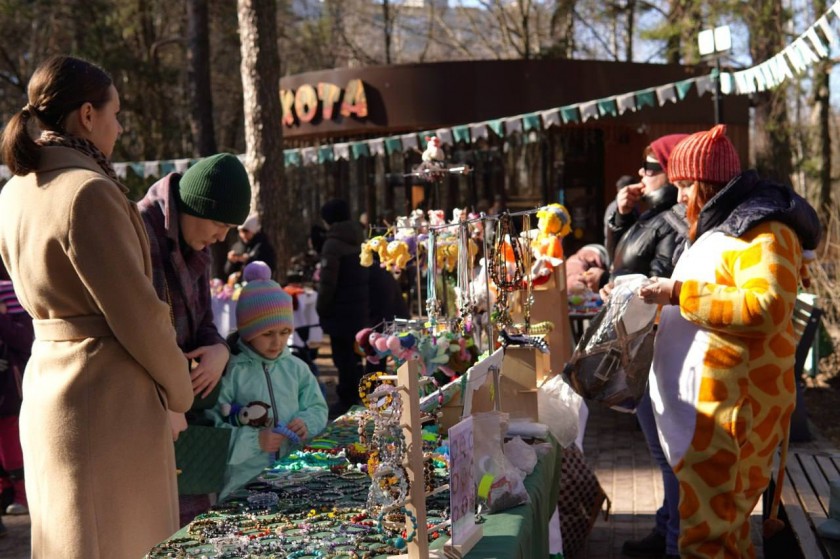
[
  {"x": 432, "y": 302},
  {"x": 529, "y": 282},
  {"x": 506, "y": 281},
  {"x": 464, "y": 298}
]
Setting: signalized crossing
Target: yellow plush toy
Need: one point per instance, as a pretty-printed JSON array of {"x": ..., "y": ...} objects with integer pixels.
[
  {"x": 554, "y": 224},
  {"x": 366, "y": 255}
]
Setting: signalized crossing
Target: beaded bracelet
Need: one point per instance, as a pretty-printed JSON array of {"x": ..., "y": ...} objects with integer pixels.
[
  {"x": 400, "y": 542},
  {"x": 284, "y": 430}
]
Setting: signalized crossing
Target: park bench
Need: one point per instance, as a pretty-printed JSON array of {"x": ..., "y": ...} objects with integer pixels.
[{"x": 809, "y": 469}]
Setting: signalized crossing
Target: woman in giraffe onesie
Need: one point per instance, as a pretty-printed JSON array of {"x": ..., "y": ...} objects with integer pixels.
[{"x": 722, "y": 376}]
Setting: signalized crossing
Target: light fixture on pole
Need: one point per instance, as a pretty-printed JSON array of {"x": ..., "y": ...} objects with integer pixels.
[{"x": 714, "y": 43}]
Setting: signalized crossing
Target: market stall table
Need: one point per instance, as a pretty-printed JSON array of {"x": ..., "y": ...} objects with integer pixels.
[{"x": 519, "y": 532}]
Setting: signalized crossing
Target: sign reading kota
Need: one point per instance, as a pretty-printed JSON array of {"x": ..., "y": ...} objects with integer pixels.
[{"x": 302, "y": 105}]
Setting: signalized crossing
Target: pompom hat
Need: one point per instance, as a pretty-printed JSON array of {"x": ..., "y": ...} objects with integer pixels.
[
  {"x": 663, "y": 146},
  {"x": 707, "y": 156},
  {"x": 263, "y": 305}
]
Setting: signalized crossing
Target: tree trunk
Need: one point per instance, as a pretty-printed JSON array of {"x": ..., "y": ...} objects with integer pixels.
[
  {"x": 822, "y": 90},
  {"x": 263, "y": 136},
  {"x": 198, "y": 79},
  {"x": 773, "y": 156}
]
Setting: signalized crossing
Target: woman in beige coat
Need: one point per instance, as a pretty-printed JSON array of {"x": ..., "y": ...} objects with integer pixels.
[{"x": 97, "y": 443}]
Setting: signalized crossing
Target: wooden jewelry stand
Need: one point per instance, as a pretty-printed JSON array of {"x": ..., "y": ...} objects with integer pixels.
[{"x": 418, "y": 548}]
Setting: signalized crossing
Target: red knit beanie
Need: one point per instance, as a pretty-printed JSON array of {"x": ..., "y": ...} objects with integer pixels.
[
  {"x": 662, "y": 148},
  {"x": 706, "y": 156}
]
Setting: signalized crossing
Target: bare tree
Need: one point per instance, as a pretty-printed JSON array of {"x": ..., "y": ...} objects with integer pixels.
[
  {"x": 260, "y": 70},
  {"x": 822, "y": 96}
]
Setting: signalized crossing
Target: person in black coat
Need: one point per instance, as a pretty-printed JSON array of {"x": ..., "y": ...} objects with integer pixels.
[
  {"x": 343, "y": 298},
  {"x": 252, "y": 245},
  {"x": 645, "y": 242}
]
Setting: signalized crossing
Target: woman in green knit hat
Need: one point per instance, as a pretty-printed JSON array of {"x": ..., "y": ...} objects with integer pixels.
[{"x": 184, "y": 215}]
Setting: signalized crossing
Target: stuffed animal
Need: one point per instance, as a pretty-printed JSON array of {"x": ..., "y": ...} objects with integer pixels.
[
  {"x": 434, "y": 151},
  {"x": 255, "y": 414},
  {"x": 554, "y": 224},
  {"x": 398, "y": 255},
  {"x": 366, "y": 255}
]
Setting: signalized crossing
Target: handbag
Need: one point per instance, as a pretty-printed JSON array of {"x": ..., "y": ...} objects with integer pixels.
[{"x": 581, "y": 499}]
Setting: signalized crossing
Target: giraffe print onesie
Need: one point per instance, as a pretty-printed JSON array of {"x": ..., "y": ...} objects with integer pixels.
[{"x": 722, "y": 380}]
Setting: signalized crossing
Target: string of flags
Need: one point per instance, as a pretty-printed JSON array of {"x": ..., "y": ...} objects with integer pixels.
[{"x": 808, "y": 48}]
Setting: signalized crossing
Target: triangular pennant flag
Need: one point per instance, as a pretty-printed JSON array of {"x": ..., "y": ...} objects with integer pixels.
[
  {"x": 826, "y": 29},
  {"x": 645, "y": 98},
  {"x": 757, "y": 76},
  {"x": 822, "y": 52},
  {"x": 166, "y": 167},
  {"x": 151, "y": 169},
  {"x": 795, "y": 58},
  {"x": 326, "y": 154},
  {"x": 588, "y": 110},
  {"x": 445, "y": 136},
  {"x": 684, "y": 87},
  {"x": 769, "y": 78},
  {"x": 138, "y": 168},
  {"x": 626, "y": 102},
  {"x": 309, "y": 155},
  {"x": 497, "y": 127},
  {"x": 291, "y": 157},
  {"x": 478, "y": 131},
  {"x": 359, "y": 149},
  {"x": 550, "y": 118},
  {"x": 608, "y": 107},
  {"x": 726, "y": 83},
  {"x": 705, "y": 84},
  {"x": 531, "y": 121},
  {"x": 570, "y": 114},
  {"x": 181, "y": 165},
  {"x": 119, "y": 170},
  {"x": 409, "y": 141},
  {"x": 461, "y": 134},
  {"x": 836, "y": 8},
  {"x": 342, "y": 151},
  {"x": 666, "y": 93},
  {"x": 393, "y": 145},
  {"x": 808, "y": 56},
  {"x": 377, "y": 146},
  {"x": 512, "y": 125},
  {"x": 742, "y": 86}
]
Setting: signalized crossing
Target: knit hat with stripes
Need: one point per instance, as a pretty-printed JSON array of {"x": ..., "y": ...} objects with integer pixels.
[
  {"x": 706, "y": 156},
  {"x": 263, "y": 305}
]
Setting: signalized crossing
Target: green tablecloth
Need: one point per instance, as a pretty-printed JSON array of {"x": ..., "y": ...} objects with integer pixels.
[{"x": 522, "y": 532}]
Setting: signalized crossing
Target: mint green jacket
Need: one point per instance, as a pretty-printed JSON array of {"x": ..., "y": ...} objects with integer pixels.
[{"x": 296, "y": 393}]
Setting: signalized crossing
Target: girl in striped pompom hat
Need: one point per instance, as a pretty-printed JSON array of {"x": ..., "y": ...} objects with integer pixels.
[
  {"x": 262, "y": 369},
  {"x": 721, "y": 382}
]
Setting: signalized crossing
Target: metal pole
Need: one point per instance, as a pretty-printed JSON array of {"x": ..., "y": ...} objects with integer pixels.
[
  {"x": 484, "y": 222},
  {"x": 718, "y": 95}
]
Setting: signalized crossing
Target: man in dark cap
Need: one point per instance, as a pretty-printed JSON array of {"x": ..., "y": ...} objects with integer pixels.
[{"x": 343, "y": 298}]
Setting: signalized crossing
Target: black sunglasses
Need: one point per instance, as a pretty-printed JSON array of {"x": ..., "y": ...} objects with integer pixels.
[{"x": 652, "y": 168}]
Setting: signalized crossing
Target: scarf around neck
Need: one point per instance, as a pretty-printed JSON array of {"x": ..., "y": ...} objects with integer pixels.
[{"x": 50, "y": 138}]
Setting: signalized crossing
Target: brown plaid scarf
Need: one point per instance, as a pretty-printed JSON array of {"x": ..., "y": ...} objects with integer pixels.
[{"x": 50, "y": 138}]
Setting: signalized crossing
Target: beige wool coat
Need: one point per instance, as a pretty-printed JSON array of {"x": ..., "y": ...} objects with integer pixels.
[{"x": 98, "y": 454}]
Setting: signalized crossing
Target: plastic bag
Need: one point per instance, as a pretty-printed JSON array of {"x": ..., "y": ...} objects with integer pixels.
[
  {"x": 499, "y": 483},
  {"x": 612, "y": 360},
  {"x": 559, "y": 408},
  {"x": 521, "y": 455}
]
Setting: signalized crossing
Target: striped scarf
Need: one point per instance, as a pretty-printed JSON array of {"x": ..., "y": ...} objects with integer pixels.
[{"x": 50, "y": 138}]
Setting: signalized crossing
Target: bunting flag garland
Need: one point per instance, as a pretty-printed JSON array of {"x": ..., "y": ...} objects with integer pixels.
[{"x": 813, "y": 45}]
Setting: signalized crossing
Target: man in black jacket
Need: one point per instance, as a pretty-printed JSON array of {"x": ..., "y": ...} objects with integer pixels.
[
  {"x": 645, "y": 242},
  {"x": 343, "y": 298}
]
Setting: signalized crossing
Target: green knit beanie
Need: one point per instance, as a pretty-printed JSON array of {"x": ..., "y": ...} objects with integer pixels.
[{"x": 216, "y": 188}]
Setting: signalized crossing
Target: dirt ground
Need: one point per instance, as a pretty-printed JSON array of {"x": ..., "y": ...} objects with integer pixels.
[{"x": 822, "y": 395}]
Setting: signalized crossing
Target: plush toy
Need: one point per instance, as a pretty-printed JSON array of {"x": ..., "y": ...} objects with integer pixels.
[
  {"x": 554, "y": 224},
  {"x": 365, "y": 347},
  {"x": 366, "y": 255},
  {"x": 398, "y": 255},
  {"x": 436, "y": 218},
  {"x": 255, "y": 414},
  {"x": 434, "y": 151}
]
